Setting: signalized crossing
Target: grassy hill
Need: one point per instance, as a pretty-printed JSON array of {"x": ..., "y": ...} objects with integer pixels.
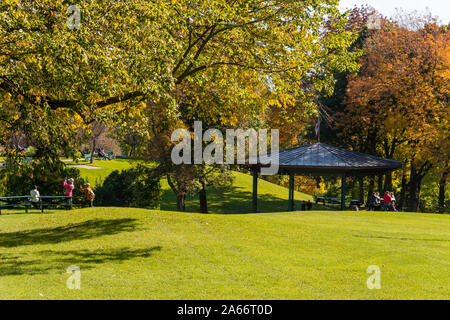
[
  {"x": 271, "y": 197},
  {"x": 142, "y": 254},
  {"x": 128, "y": 253}
]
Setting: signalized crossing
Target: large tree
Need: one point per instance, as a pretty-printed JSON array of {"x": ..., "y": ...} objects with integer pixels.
[
  {"x": 54, "y": 78},
  {"x": 251, "y": 59},
  {"x": 225, "y": 60},
  {"x": 398, "y": 101}
]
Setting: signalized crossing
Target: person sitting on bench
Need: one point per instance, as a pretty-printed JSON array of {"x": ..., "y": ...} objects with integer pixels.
[
  {"x": 394, "y": 208},
  {"x": 387, "y": 200},
  {"x": 102, "y": 154},
  {"x": 374, "y": 201},
  {"x": 35, "y": 197}
]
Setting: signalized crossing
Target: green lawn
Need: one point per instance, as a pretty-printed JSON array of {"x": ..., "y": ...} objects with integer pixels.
[
  {"x": 237, "y": 199},
  {"x": 96, "y": 176},
  {"x": 141, "y": 254},
  {"x": 127, "y": 253}
]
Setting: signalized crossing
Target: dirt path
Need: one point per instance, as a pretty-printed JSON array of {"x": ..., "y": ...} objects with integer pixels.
[{"x": 84, "y": 166}]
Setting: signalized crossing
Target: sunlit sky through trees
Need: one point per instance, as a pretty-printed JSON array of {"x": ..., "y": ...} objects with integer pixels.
[{"x": 440, "y": 8}]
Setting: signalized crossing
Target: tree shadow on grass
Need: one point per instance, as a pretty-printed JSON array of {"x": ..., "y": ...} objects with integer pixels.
[
  {"x": 86, "y": 257},
  {"x": 57, "y": 262},
  {"x": 74, "y": 231}
]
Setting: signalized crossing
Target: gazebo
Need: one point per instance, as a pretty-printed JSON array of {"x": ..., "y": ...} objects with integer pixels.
[{"x": 320, "y": 159}]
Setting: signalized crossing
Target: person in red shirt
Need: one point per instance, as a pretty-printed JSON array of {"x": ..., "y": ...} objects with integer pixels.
[
  {"x": 387, "y": 200},
  {"x": 68, "y": 186}
]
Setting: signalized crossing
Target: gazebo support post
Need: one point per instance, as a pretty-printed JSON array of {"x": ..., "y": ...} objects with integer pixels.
[
  {"x": 343, "y": 190},
  {"x": 380, "y": 185},
  {"x": 255, "y": 190},
  {"x": 291, "y": 192}
]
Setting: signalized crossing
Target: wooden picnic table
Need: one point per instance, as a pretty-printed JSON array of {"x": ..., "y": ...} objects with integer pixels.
[
  {"x": 12, "y": 202},
  {"x": 356, "y": 204},
  {"x": 48, "y": 201},
  {"x": 326, "y": 200},
  {"x": 15, "y": 202}
]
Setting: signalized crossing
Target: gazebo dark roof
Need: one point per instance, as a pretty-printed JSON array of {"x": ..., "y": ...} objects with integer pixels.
[{"x": 321, "y": 158}]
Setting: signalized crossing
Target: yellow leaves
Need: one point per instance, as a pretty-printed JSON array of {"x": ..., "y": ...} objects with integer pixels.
[{"x": 275, "y": 103}]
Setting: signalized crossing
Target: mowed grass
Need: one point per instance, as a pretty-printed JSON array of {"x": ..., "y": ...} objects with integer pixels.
[
  {"x": 237, "y": 199},
  {"x": 97, "y": 176},
  {"x": 127, "y": 253}
]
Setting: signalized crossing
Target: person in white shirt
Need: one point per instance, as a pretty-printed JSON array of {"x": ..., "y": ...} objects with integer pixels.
[{"x": 35, "y": 197}]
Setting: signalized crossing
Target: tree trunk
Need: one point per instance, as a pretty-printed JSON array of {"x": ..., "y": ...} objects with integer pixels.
[
  {"x": 181, "y": 202},
  {"x": 181, "y": 195},
  {"x": 388, "y": 182},
  {"x": 389, "y": 150},
  {"x": 402, "y": 198},
  {"x": 371, "y": 186},
  {"x": 317, "y": 182},
  {"x": 203, "y": 199},
  {"x": 415, "y": 182},
  {"x": 442, "y": 185},
  {"x": 93, "y": 150}
]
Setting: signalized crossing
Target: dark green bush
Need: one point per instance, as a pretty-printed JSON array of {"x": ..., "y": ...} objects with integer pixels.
[
  {"x": 18, "y": 179},
  {"x": 136, "y": 187}
]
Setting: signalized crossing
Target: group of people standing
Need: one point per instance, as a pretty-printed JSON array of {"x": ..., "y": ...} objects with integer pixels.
[
  {"x": 374, "y": 201},
  {"x": 86, "y": 190},
  {"x": 69, "y": 186}
]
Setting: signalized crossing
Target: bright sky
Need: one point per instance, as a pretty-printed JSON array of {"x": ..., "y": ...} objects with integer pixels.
[{"x": 440, "y": 8}]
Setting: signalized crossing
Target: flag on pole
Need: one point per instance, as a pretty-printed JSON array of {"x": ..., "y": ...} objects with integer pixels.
[{"x": 317, "y": 127}]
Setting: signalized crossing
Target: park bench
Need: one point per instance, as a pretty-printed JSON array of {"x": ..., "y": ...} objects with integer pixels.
[
  {"x": 305, "y": 205},
  {"x": 110, "y": 155},
  {"x": 87, "y": 156},
  {"x": 380, "y": 207},
  {"x": 356, "y": 204},
  {"x": 15, "y": 202},
  {"x": 55, "y": 201},
  {"x": 23, "y": 202},
  {"x": 326, "y": 200}
]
